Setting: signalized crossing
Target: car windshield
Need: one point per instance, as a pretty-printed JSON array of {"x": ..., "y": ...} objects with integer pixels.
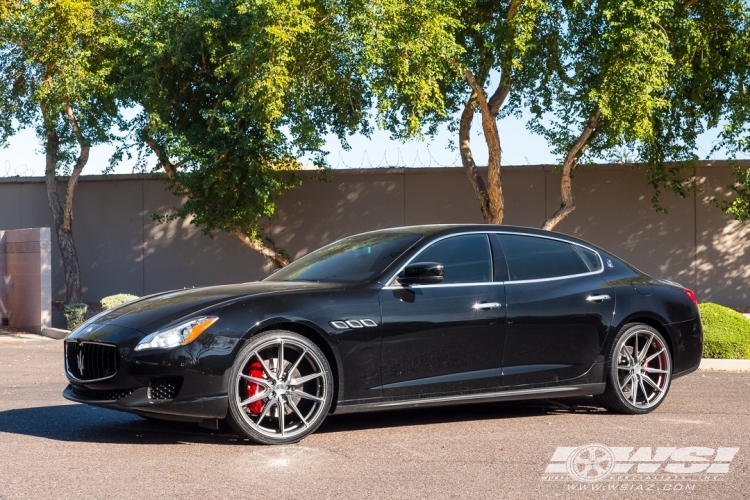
[{"x": 351, "y": 260}]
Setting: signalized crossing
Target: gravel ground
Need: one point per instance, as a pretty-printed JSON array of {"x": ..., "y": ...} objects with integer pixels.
[{"x": 51, "y": 448}]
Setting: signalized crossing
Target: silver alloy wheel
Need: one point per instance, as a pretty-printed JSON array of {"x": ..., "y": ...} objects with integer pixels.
[
  {"x": 292, "y": 386},
  {"x": 644, "y": 368}
]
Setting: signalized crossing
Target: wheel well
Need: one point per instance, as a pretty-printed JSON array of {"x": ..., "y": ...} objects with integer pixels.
[
  {"x": 322, "y": 344},
  {"x": 658, "y": 326}
]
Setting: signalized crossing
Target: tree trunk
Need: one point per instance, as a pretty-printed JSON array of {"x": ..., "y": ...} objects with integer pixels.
[
  {"x": 493, "y": 209},
  {"x": 63, "y": 217},
  {"x": 276, "y": 257},
  {"x": 467, "y": 159},
  {"x": 571, "y": 161}
]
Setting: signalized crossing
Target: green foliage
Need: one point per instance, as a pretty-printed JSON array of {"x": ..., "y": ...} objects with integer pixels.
[
  {"x": 53, "y": 55},
  {"x": 75, "y": 315},
  {"x": 726, "y": 333},
  {"x": 234, "y": 93},
  {"x": 116, "y": 300}
]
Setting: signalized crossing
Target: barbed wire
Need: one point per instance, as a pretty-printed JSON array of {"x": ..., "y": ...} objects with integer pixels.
[
  {"x": 401, "y": 161},
  {"x": 22, "y": 170}
]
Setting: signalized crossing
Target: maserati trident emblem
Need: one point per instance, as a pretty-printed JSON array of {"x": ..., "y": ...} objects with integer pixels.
[{"x": 79, "y": 360}]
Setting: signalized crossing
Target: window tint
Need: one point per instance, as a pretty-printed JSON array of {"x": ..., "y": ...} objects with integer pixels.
[
  {"x": 351, "y": 260},
  {"x": 532, "y": 258},
  {"x": 591, "y": 259},
  {"x": 466, "y": 259}
]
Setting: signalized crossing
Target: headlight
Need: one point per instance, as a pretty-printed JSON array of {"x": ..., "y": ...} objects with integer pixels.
[{"x": 178, "y": 335}]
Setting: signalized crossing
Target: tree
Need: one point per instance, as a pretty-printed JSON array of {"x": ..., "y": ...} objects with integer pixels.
[
  {"x": 649, "y": 76},
  {"x": 234, "y": 94},
  {"x": 54, "y": 63},
  {"x": 430, "y": 60}
]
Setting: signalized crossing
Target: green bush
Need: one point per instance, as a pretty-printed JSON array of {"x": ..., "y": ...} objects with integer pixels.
[
  {"x": 116, "y": 300},
  {"x": 726, "y": 333},
  {"x": 75, "y": 314}
]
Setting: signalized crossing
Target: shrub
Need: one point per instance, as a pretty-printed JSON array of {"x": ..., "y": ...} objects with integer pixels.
[
  {"x": 726, "y": 333},
  {"x": 75, "y": 314},
  {"x": 116, "y": 300}
]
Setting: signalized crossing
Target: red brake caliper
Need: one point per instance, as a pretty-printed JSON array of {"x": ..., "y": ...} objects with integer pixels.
[{"x": 255, "y": 370}]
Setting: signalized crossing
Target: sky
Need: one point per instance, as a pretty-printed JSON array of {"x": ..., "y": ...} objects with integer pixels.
[{"x": 25, "y": 157}]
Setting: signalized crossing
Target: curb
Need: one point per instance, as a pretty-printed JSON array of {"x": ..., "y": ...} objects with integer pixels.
[
  {"x": 55, "y": 333},
  {"x": 725, "y": 365}
]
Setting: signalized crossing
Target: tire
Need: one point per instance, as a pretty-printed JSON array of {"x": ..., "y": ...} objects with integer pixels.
[
  {"x": 303, "y": 388},
  {"x": 650, "y": 375}
]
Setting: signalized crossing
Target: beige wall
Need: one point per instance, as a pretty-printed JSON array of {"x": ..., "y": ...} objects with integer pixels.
[{"x": 122, "y": 250}]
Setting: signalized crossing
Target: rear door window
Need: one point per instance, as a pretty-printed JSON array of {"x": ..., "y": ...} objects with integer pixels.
[{"x": 531, "y": 258}]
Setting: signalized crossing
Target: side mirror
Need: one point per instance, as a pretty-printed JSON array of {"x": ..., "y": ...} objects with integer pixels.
[{"x": 421, "y": 273}]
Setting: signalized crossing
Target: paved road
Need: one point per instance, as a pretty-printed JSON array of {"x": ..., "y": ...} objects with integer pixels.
[{"x": 50, "y": 448}]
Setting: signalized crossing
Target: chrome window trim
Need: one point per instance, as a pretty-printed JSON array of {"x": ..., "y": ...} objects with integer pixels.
[
  {"x": 67, "y": 368},
  {"x": 391, "y": 286}
]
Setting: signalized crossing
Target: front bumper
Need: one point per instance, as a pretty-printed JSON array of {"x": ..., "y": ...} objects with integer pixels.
[
  {"x": 138, "y": 402},
  {"x": 186, "y": 383}
]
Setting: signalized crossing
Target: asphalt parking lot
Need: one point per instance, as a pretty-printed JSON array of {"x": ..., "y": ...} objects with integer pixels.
[{"x": 50, "y": 448}]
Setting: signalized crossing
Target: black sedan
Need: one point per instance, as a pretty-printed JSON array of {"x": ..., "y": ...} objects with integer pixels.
[{"x": 397, "y": 318}]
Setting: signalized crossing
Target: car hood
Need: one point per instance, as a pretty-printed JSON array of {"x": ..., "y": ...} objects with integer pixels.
[{"x": 153, "y": 312}]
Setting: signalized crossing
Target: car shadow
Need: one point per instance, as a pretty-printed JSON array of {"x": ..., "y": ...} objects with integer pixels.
[{"x": 83, "y": 423}]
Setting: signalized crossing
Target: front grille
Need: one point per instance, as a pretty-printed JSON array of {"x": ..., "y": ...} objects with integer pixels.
[
  {"x": 109, "y": 395},
  {"x": 90, "y": 360},
  {"x": 164, "y": 388}
]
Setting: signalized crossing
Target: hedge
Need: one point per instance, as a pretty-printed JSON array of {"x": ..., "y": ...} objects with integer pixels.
[{"x": 726, "y": 333}]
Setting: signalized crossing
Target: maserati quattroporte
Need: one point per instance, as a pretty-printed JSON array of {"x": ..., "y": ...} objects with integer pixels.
[{"x": 397, "y": 318}]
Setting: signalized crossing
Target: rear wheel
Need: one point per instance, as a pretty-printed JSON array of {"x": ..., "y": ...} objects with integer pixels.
[
  {"x": 640, "y": 371},
  {"x": 281, "y": 389}
]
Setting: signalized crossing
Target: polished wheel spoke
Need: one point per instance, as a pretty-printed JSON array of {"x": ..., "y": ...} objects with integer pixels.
[
  {"x": 654, "y": 370},
  {"x": 645, "y": 348},
  {"x": 626, "y": 368},
  {"x": 631, "y": 361},
  {"x": 654, "y": 355},
  {"x": 625, "y": 382},
  {"x": 260, "y": 381},
  {"x": 253, "y": 399},
  {"x": 280, "y": 365},
  {"x": 265, "y": 368},
  {"x": 653, "y": 384},
  {"x": 294, "y": 408},
  {"x": 634, "y": 390},
  {"x": 282, "y": 413},
  {"x": 296, "y": 363},
  {"x": 263, "y": 415},
  {"x": 643, "y": 389},
  {"x": 306, "y": 396},
  {"x": 306, "y": 378}
]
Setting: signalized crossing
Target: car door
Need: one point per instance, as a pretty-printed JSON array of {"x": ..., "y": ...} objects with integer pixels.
[
  {"x": 445, "y": 337},
  {"x": 559, "y": 309}
]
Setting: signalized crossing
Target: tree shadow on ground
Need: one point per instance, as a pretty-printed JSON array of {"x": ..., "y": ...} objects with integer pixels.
[{"x": 83, "y": 423}]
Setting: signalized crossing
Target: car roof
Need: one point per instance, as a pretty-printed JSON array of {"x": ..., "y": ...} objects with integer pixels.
[{"x": 443, "y": 229}]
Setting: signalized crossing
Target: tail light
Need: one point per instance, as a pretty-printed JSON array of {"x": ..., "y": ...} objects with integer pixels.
[{"x": 692, "y": 296}]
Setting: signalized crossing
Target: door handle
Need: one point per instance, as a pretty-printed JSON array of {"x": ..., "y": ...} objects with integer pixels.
[
  {"x": 597, "y": 298},
  {"x": 483, "y": 306}
]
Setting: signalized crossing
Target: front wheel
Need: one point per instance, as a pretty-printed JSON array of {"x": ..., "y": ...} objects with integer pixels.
[
  {"x": 281, "y": 388},
  {"x": 640, "y": 371}
]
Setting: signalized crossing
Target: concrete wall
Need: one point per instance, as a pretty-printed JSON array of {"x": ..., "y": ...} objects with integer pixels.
[
  {"x": 26, "y": 273},
  {"x": 122, "y": 250}
]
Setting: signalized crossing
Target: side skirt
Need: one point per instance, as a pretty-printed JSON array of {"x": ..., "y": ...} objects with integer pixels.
[{"x": 517, "y": 395}]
